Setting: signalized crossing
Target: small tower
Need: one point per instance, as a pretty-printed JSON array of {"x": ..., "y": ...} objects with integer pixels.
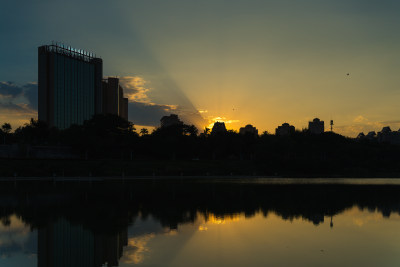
[{"x": 331, "y": 125}]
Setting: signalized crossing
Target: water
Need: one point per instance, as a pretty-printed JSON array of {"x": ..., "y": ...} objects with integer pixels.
[{"x": 201, "y": 222}]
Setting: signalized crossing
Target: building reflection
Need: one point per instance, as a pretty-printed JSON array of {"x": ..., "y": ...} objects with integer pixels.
[
  {"x": 86, "y": 224},
  {"x": 62, "y": 243}
]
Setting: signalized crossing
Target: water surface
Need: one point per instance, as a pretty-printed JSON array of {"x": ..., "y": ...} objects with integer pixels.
[{"x": 198, "y": 222}]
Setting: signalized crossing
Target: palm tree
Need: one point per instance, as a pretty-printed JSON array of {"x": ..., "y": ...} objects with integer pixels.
[{"x": 144, "y": 131}]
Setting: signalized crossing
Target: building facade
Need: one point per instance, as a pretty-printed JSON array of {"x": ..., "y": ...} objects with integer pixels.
[
  {"x": 69, "y": 85},
  {"x": 114, "y": 101},
  {"x": 72, "y": 88}
]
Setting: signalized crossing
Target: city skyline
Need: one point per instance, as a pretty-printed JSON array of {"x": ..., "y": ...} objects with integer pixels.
[{"x": 263, "y": 63}]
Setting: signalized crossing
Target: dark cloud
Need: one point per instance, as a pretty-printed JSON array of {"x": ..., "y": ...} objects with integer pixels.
[
  {"x": 9, "y": 89},
  {"x": 11, "y": 96},
  {"x": 150, "y": 114},
  {"x": 147, "y": 114},
  {"x": 31, "y": 93}
]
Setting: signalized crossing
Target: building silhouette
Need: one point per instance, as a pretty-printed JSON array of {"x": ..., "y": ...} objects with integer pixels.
[
  {"x": 248, "y": 129},
  {"x": 316, "y": 126},
  {"x": 170, "y": 120},
  {"x": 61, "y": 243},
  {"x": 285, "y": 129},
  {"x": 219, "y": 127},
  {"x": 70, "y": 89},
  {"x": 114, "y": 101}
]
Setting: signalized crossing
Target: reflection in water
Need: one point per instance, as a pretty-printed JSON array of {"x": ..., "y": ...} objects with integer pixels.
[
  {"x": 137, "y": 246},
  {"x": 15, "y": 237},
  {"x": 173, "y": 221},
  {"x": 62, "y": 243}
]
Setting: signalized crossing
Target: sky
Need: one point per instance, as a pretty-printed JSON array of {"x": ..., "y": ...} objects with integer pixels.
[{"x": 254, "y": 62}]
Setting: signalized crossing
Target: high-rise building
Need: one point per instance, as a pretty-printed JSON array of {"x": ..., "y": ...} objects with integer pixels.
[
  {"x": 70, "y": 85},
  {"x": 114, "y": 101}
]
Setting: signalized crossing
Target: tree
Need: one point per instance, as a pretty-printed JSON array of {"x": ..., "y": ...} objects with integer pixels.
[
  {"x": 6, "y": 128},
  {"x": 144, "y": 131}
]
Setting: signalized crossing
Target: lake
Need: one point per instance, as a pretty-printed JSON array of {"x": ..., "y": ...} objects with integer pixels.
[{"x": 201, "y": 222}]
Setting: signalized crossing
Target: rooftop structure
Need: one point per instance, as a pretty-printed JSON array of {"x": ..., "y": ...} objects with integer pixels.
[
  {"x": 218, "y": 127},
  {"x": 316, "y": 126},
  {"x": 248, "y": 129},
  {"x": 285, "y": 129}
]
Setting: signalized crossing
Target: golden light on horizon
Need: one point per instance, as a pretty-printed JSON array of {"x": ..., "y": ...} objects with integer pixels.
[
  {"x": 215, "y": 219},
  {"x": 221, "y": 119}
]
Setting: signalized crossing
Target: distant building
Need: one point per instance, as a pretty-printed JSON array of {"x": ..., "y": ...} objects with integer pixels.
[
  {"x": 389, "y": 136},
  {"x": 114, "y": 101},
  {"x": 248, "y": 129},
  {"x": 219, "y": 127},
  {"x": 285, "y": 129},
  {"x": 170, "y": 120},
  {"x": 69, "y": 85},
  {"x": 316, "y": 126}
]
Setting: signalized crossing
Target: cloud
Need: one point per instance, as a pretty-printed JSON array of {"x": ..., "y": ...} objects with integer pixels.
[
  {"x": 135, "y": 251},
  {"x": 17, "y": 108},
  {"x": 16, "y": 238},
  {"x": 135, "y": 89},
  {"x": 19, "y": 99},
  {"x": 144, "y": 111},
  {"x": 9, "y": 89},
  {"x": 213, "y": 120},
  {"x": 31, "y": 93},
  {"x": 148, "y": 114},
  {"x": 141, "y": 110},
  {"x": 359, "y": 119}
]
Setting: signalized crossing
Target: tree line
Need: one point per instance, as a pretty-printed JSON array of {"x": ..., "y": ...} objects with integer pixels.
[{"x": 112, "y": 137}]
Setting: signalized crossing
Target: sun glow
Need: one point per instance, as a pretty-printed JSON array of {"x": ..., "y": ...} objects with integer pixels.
[
  {"x": 220, "y": 119},
  {"x": 215, "y": 219}
]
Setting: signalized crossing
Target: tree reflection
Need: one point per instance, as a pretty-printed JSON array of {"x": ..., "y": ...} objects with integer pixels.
[{"x": 85, "y": 224}]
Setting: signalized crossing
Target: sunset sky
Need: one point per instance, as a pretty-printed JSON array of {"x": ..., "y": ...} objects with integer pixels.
[{"x": 242, "y": 62}]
